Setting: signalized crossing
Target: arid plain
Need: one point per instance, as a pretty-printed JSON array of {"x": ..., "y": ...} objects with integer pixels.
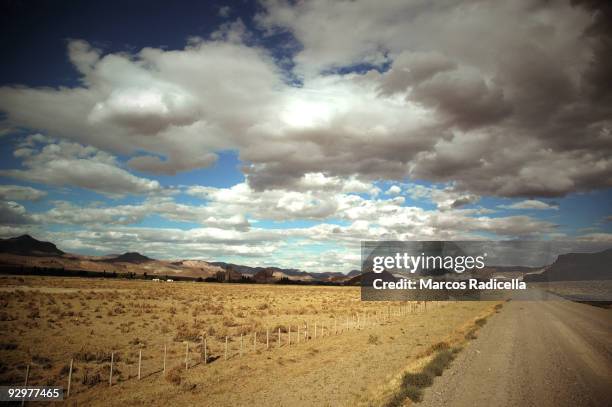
[{"x": 348, "y": 352}]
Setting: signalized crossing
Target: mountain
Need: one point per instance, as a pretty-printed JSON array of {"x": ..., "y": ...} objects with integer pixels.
[
  {"x": 26, "y": 252},
  {"x": 245, "y": 270},
  {"x": 130, "y": 257},
  {"x": 27, "y": 245},
  {"x": 271, "y": 274},
  {"x": 576, "y": 267},
  {"x": 367, "y": 279}
]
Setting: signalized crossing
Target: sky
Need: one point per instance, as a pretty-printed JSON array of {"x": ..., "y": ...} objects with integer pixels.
[{"x": 285, "y": 133}]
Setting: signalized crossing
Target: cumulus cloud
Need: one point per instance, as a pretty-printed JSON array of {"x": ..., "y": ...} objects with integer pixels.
[
  {"x": 530, "y": 204},
  {"x": 444, "y": 111},
  {"x": 177, "y": 106},
  {"x": 444, "y": 198},
  {"x": 229, "y": 218},
  {"x": 165, "y": 207},
  {"x": 528, "y": 121},
  {"x": 20, "y": 193},
  {"x": 507, "y": 109},
  {"x": 12, "y": 213},
  {"x": 71, "y": 164},
  {"x": 393, "y": 190}
]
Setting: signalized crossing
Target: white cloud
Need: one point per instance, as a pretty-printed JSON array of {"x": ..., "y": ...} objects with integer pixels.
[
  {"x": 394, "y": 190},
  {"x": 20, "y": 193},
  {"x": 70, "y": 164},
  {"x": 12, "y": 213},
  {"x": 445, "y": 111},
  {"x": 445, "y": 198},
  {"x": 530, "y": 204}
]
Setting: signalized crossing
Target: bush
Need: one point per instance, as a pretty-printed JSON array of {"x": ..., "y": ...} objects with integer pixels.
[
  {"x": 8, "y": 346},
  {"x": 413, "y": 383},
  {"x": 43, "y": 361},
  {"x": 98, "y": 356},
  {"x": 175, "y": 375},
  {"x": 440, "y": 362},
  {"x": 440, "y": 346},
  {"x": 90, "y": 379},
  {"x": 422, "y": 379}
]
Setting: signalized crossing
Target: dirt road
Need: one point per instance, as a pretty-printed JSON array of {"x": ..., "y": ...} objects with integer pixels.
[{"x": 547, "y": 353}]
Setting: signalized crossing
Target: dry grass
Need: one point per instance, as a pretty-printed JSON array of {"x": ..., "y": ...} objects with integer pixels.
[{"x": 49, "y": 321}]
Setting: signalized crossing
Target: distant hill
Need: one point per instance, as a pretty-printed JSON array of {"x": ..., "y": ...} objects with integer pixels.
[
  {"x": 577, "y": 266},
  {"x": 28, "y": 246},
  {"x": 25, "y": 251},
  {"x": 512, "y": 269},
  {"x": 271, "y": 274},
  {"x": 130, "y": 257},
  {"x": 245, "y": 270},
  {"x": 367, "y": 279}
]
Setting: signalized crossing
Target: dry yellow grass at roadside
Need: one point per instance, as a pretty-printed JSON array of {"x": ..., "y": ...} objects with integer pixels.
[{"x": 55, "y": 319}]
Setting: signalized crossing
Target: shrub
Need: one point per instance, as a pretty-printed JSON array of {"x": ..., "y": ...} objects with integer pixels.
[
  {"x": 42, "y": 361},
  {"x": 98, "y": 356},
  {"x": 90, "y": 379},
  {"x": 175, "y": 375},
  {"x": 413, "y": 383},
  {"x": 440, "y": 346},
  {"x": 8, "y": 346},
  {"x": 440, "y": 362},
  {"x": 423, "y": 379}
]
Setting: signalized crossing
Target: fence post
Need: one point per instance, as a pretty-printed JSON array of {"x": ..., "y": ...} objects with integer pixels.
[
  {"x": 165, "y": 351},
  {"x": 315, "y": 332},
  {"x": 187, "y": 355},
  {"x": 226, "y": 348},
  {"x": 69, "y": 378},
  {"x": 205, "y": 351},
  {"x": 139, "y": 362},
  {"x": 110, "y": 377},
  {"x": 25, "y": 383}
]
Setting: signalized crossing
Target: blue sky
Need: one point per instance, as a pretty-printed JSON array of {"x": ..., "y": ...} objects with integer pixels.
[{"x": 284, "y": 134}]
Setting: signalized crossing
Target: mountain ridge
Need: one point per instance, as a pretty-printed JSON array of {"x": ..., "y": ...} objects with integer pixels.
[{"x": 26, "y": 251}]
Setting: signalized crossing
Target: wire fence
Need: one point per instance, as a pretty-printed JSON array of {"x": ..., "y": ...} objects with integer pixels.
[{"x": 80, "y": 371}]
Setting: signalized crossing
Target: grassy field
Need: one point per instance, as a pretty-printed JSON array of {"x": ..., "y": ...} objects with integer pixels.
[{"x": 356, "y": 354}]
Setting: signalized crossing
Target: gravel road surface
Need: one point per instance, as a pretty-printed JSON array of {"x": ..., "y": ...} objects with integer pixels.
[{"x": 545, "y": 353}]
